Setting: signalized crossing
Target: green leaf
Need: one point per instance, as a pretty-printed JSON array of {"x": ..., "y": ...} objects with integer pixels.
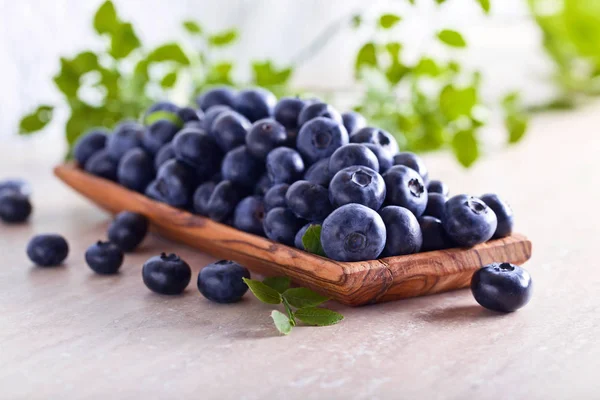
[
  {"x": 393, "y": 49},
  {"x": 163, "y": 115},
  {"x": 220, "y": 73},
  {"x": 356, "y": 21},
  {"x": 68, "y": 78},
  {"x": 279, "y": 283},
  {"x": 395, "y": 72},
  {"x": 426, "y": 67},
  {"x": 223, "y": 38},
  {"x": 451, "y": 38},
  {"x": 169, "y": 52},
  {"x": 105, "y": 19},
  {"x": 516, "y": 126},
  {"x": 123, "y": 41},
  {"x": 192, "y": 27},
  {"x": 318, "y": 316},
  {"x": 282, "y": 322},
  {"x": 169, "y": 80},
  {"x": 485, "y": 5},
  {"x": 265, "y": 74},
  {"x": 312, "y": 240},
  {"x": 263, "y": 292},
  {"x": 455, "y": 103},
  {"x": 303, "y": 297},
  {"x": 366, "y": 56},
  {"x": 36, "y": 120},
  {"x": 387, "y": 21},
  {"x": 465, "y": 147}
]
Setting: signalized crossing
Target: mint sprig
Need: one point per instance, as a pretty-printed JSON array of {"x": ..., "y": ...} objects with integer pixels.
[
  {"x": 311, "y": 240},
  {"x": 275, "y": 290}
]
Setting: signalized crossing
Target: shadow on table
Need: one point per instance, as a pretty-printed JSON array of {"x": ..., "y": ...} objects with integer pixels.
[{"x": 459, "y": 314}]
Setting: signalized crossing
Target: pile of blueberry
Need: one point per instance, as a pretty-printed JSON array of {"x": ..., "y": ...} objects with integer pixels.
[{"x": 273, "y": 168}]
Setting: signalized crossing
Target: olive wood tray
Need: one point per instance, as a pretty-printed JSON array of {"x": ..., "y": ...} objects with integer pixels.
[{"x": 350, "y": 283}]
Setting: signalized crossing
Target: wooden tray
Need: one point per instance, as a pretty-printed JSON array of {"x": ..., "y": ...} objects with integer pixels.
[{"x": 350, "y": 283}]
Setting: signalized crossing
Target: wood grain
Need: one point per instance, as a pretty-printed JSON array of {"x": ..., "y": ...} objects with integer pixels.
[{"x": 354, "y": 284}]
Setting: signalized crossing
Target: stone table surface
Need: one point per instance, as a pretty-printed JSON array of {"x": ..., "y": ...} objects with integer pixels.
[{"x": 67, "y": 333}]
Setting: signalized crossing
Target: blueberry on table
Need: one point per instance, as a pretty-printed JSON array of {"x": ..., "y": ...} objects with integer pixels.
[
  {"x": 249, "y": 215},
  {"x": 128, "y": 230},
  {"x": 136, "y": 170},
  {"x": 275, "y": 196},
  {"x": 357, "y": 184},
  {"x": 504, "y": 214},
  {"x": 241, "y": 167},
  {"x": 166, "y": 274},
  {"x": 104, "y": 258},
  {"x": 350, "y": 155},
  {"x": 189, "y": 114},
  {"x": 218, "y": 96},
  {"x": 308, "y": 200},
  {"x": 502, "y": 287},
  {"x": 166, "y": 153},
  {"x": 319, "y": 138},
  {"x": 230, "y": 129},
  {"x": 435, "y": 186},
  {"x": 222, "y": 281},
  {"x": 15, "y": 207},
  {"x": 103, "y": 165},
  {"x": 384, "y": 157},
  {"x": 313, "y": 110},
  {"x": 255, "y": 104},
  {"x": 287, "y": 110},
  {"x": 405, "y": 188},
  {"x": 15, "y": 185},
  {"x": 376, "y": 136},
  {"x": 211, "y": 115},
  {"x": 469, "y": 221},
  {"x": 434, "y": 236},
  {"x": 199, "y": 150},
  {"x": 265, "y": 135},
  {"x": 202, "y": 196},
  {"x": 353, "y": 233},
  {"x": 223, "y": 200},
  {"x": 127, "y": 136},
  {"x": 263, "y": 185},
  {"x": 88, "y": 145},
  {"x": 281, "y": 225},
  {"x": 299, "y": 235},
  {"x": 353, "y": 121},
  {"x": 284, "y": 165},
  {"x": 436, "y": 205},
  {"x": 403, "y": 231},
  {"x": 174, "y": 184},
  {"x": 158, "y": 134},
  {"x": 414, "y": 162},
  {"x": 47, "y": 250},
  {"x": 319, "y": 173}
]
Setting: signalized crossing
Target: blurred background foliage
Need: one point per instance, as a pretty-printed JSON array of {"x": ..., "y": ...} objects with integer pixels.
[{"x": 430, "y": 103}]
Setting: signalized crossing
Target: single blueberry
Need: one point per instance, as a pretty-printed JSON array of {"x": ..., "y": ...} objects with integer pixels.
[
  {"x": 128, "y": 230},
  {"x": 158, "y": 134},
  {"x": 287, "y": 110},
  {"x": 353, "y": 121},
  {"x": 308, "y": 200},
  {"x": 222, "y": 281},
  {"x": 103, "y": 165},
  {"x": 436, "y": 205},
  {"x": 319, "y": 173},
  {"x": 385, "y": 158},
  {"x": 353, "y": 233},
  {"x": 127, "y": 135},
  {"x": 255, "y": 103},
  {"x": 88, "y": 145},
  {"x": 15, "y": 207},
  {"x": 414, "y": 162},
  {"x": 435, "y": 186},
  {"x": 47, "y": 250},
  {"x": 405, "y": 188},
  {"x": 15, "y": 185},
  {"x": 136, "y": 170},
  {"x": 166, "y": 153},
  {"x": 265, "y": 135},
  {"x": 263, "y": 185},
  {"x": 199, "y": 150},
  {"x": 104, "y": 258},
  {"x": 403, "y": 231},
  {"x": 375, "y": 136},
  {"x": 161, "y": 106},
  {"x": 299, "y": 235},
  {"x": 434, "y": 236},
  {"x": 229, "y": 129},
  {"x": 166, "y": 274},
  {"x": 223, "y": 200},
  {"x": 281, "y": 225},
  {"x": 502, "y": 287},
  {"x": 241, "y": 167},
  {"x": 211, "y": 115},
  {"x": 284, "y": 165},
  {"x": 469, "y": 221},
  {"x": 249, "y": 215},
  {"x": 275, "y": 196},
  {"x": 319, "y": 138},
  {"x": 189, "y": 114},
  {"x": 174, "y": 183},
  {"x": 313, "y": 110},
  {"x": 202, "y": 196},
  {"x": 218, "y": 96},
  {"x": 352, "y": 154},
  {"x": 357, "y": 184},
  {"x": 504, "y": 214},
  {"x": 153, "y": 193}
]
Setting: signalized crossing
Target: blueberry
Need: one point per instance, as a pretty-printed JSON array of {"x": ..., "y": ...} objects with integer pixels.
[
  {"x": 218, "y": 96},
  {"x": 249, "y": 215},
  {"x": 318, "y": 109},
  {"x": 375, "y": 136},
  {"x": 166, "y": 274},
  {"x": 211, "y": 115},
  {"x": 319, "y": 173},
  {"x": 353, "y": 121},
  {"x": 502, "y": 287},
  {"x": 47, "y": 250},
  {"x": 102, "y": 164},
  {"x": 308, "y": 200},
  {"x": 299, "y": 235},
  {"x": 405, "y": 188},
  {"x": 166, "y": 106},
  {"x": 385, "y": 159},
  {"x": 469, "y": 221},
  {"x": 15, "y": 207},
  {"x": 15, "y": 185},
  {"x": 153, "y": 193},
  {"x": 504, "y": 214},
  {"x": 104, "y": 258},
  {"x": 128, "y": 230},
  {"x": 434, "y": 236},
  {"x": 229, "y": 129},
  {"x": 414, "y": 162},
  {"x": 166, "y": 153},
  {"x": 241, "y": 167},
  {"x": 265, "y": 135},
  {"x": 436, "y": 205},
  {"x": 435, "y": 186},
  {"x": 275, "y": 196},
  {"x": 255, "y": 103},
  {"x": 319, "y": 138},
  {"x": 199, "y": 150},
  {"x": 202, "y": 196},
  {"x": 174, "y": 184},
  {"x": 287, "y": 110},
  {"x": 136, "y": 170},
  {"x": 263, "y": 185},
  {"x": 223, "y": 201},
  {"x": 357, "y": 184},
  {"x": 353, "y": 233},
  {"x": 403, "y": 231},
  {"x": 284, "y": 165},
  {"x": 281, "y": 224},
  {"x": 189, "y": 114},
  {"x": 222, "y": 281},
  {"x": 127, "y": 135},
  {"x": 350, "y": 155},
  {"x": 158, "y": 134},
  {"x": 88, "y": 145},
  {"x": 194, "y": 125}
]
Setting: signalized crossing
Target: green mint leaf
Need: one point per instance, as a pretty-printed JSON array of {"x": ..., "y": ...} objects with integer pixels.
[
  {"x": 387, "y": 21},
  {"x": 485, "y": 5},
  {"x": 263, "y": 292},
  {"x": 106, "y": 19},
  {"x": 318, "y": 316},
  {"x": 279, "y": 283},
  {"x": 282, "y": 322},
  {"x": 223, "y": 38},
  {"x": 192, "y": 27},
  {"x": 169, "y": 52},
  {"x": 123, "y": 41},
  {"x": 312, "y": 240},
  {"x": 457, "y": 102},
  {"x": 367, "y": 56},
  {"x": 265, "y": 74},
  {"x": 220, "y": 73},
  {"x": 516, "y": 126},
  {"x": 465, "y": 147},
  {"x": 169, "y": 80},
  {"x": 36, "y": 120},
  {"x": 68, "y": 78},
  {"x": 426, "y": 67},
  {"x": 303, "y": 297},
  {"x": 163, "y": 115},
  {"x": 451, "y": 38},
  {"x": 395, "y": 72}
]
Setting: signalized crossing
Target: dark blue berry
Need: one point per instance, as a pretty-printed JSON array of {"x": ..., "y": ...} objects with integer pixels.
[
  {"x": 436, "y": 205},
  {"x": 350, "y": 155},
  {"x": 211, "y": 115},
  {"x": 504, "y": 214},
  {"x": 102, "y": 164},
  {"x": 319, "y": 138},
  {"x": 249, "y": 215},
  {"x": 403, "y": 231},
  {"x": 469, "y": 221},
  {"x": 136, "y": 170},
  {"x": 166, "y": 106},
  {"x": 104, "y": 258},
  {"x": 255, "y": 104},
  {"x": 434, "y": 236},
  {"x": 174, "y": 183},
  {"x": 353, "y": 121},
  {"x": 223, "y": 200},
  {"x": 385, "y": 158},
  {"x": 275, "y": 196},
  {"x": 222, "y": 281},
  {"x": 281, "y": 225},
  {"x": 15, "y": 207},
  {"x": 357, "y": 184},
  {"x": 284, "y": 165},
  {"x": 265, "y": 135},
  {"x": 375, "y": 136},
  {"x": 47, "y": 250},
  {"x": 319, "y": 173},
  {"x": 299, "y": 235},
  {"x": 313, "y": 110},
  {"x": 202, "y": 196},
  {"x": 189, "y": 114},
  {"x": 353, "y": 233},
  {"x": 405, "y": 188},
  {"x": 128, "y": 230},
  {"x": 127, "y": 136},
  {"x": 414, "y": 162},
  {"x": 229, "y": 129},
  {"x": 287, "y": 110},
  {"x": 308, "y": 200},
  {"x": 263, "y": 185},
  {"x": 158, "y": 134},
  {"x": 166, "y": 153},
  {"x": 199, "y": 150},
  {"x": 435, "y": 186},
  {"x": 15, "y": 185},
  {"x": 88, "y": 145},
  {"x": 502, "y": 287},
  {"x": 166, "y": 274},
  {"x": 219, "y": 96},
  {"x": 241, "y": 167}
]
